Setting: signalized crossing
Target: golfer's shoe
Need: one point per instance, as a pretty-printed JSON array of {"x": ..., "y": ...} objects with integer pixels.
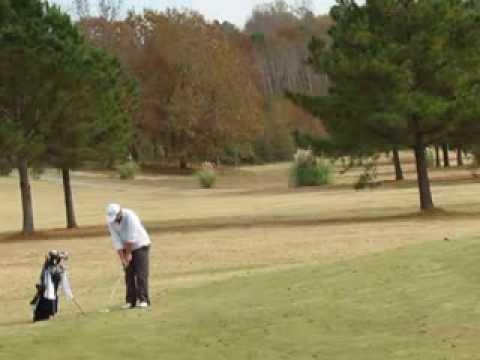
[
  {"x": 127, "y": 306},
  {"x": 142, "y": 305}
]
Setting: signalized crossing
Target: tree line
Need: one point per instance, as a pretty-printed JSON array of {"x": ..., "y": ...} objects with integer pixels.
[
  {"x": 211, "y": 91},
  {"x": 403, "y": 74},
  {"x": 171, "y": 87},
  {"x": 165, "y": 87}
]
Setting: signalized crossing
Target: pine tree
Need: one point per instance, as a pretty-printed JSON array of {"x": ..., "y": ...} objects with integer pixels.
[{"x": 402, "y": 72}]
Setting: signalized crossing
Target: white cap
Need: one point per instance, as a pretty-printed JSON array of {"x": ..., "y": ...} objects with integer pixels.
[{"x": 112, "y": 212}]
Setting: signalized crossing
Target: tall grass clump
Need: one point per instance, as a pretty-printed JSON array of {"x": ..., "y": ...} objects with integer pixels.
[
  {"x": 308, "y": 170},
  {"x": 37, "y": 172},
  {"x": 128, "y": 170},
  {"x": 207, "y": 176},
  {"x": 369, "y": 178},
  {"x": 475, "y": 163}
]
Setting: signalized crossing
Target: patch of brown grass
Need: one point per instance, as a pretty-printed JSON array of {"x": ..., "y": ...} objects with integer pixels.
[{"x": 203, "y": 235}]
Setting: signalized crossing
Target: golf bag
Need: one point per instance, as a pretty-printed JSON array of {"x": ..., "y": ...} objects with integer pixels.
[{"x": 52, "y": 277}]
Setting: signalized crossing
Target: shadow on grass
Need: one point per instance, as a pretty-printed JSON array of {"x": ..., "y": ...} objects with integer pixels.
[
  {"x": 237, "y": 222},
  {"x": 385, "y": 185}
]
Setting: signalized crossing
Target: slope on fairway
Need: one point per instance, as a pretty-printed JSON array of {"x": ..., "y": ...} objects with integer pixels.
[{"x": 417, "y": 302}]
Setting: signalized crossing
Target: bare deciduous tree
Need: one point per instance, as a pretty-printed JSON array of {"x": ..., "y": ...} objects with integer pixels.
[
  {"x": 110, "y": 9},
  {"x": 281, "y": 35},
  {"x": 82, "y": 8}
]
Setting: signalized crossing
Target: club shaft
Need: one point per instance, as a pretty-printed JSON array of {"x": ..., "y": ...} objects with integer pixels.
[{"x": 78, "y": 306}]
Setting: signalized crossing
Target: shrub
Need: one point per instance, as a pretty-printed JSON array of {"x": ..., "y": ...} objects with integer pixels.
[
  {"x": 368, "y": 179},
  {"x": 128, "y": 170},
  {"x": 307, "y": 170},
  {"x": 325, "y": 172},
  {"x": 37, "y": 172},
  {"x": 207, "y": 176},
  {"x": 365, "y": 181},
  {"x": 475, "y": 163}
]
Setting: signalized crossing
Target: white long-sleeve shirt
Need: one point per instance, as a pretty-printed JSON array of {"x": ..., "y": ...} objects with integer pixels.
[{"x": 130, "y": 229}]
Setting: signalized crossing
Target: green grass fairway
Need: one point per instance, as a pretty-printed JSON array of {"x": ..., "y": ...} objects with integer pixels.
[{"x": 416, "y": 302}]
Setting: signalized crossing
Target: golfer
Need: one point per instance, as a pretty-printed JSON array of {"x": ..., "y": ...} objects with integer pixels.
[{"x": 132, "y": 243}]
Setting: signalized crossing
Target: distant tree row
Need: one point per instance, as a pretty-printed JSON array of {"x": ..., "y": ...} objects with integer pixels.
[
  {"x": 281, "y": 34},
  {"x": 204, "y": 86}
]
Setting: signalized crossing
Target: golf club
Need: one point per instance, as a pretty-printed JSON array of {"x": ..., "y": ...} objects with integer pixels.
[
  {"x": 113, "y": 292},
  {"x": 114, "y": 289},
  {"x": 78, "y": 306}
]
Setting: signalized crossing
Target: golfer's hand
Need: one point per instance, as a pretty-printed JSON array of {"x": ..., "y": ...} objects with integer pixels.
[{"x": 128, "y": 258}]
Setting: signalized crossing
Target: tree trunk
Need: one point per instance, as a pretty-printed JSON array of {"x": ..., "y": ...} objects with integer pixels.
[
  {"x": 69, "y": 208},
  {"x": 26, "y": 194},
  {"x": 134, "y": 153},
  {"x": 446, "y": 159},
  {"x": 426, "y": 202},
  {"x": 236, "y": 157},
  {"x": 155, "y": 150},
  {"x": 183, "y": 164},
  {"x": 398, "y": 165},
  {"x": 459, "y": 156},
  {"x": 437, "y": 156}
]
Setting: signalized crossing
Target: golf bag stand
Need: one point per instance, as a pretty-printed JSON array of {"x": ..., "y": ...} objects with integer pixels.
[{"x": 45, "y": 301}]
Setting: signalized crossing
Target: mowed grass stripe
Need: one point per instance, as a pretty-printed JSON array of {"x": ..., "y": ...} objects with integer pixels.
[{"x": 417, "y": 302}]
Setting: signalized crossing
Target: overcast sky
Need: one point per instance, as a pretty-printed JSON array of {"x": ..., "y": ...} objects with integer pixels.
[{"x": 235, "y": 11}]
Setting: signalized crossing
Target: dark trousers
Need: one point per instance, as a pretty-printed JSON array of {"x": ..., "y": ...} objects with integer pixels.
[{"x": 136, "y": 276}]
